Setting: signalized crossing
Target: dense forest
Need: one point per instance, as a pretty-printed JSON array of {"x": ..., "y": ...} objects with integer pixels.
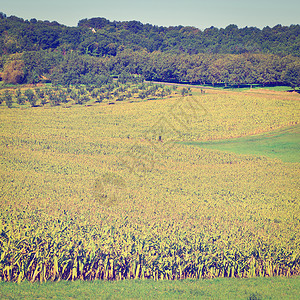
[{"x": 33, "y": 51}]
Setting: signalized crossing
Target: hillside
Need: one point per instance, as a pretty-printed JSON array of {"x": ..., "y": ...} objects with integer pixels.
[{"x": 36, "y": 51}]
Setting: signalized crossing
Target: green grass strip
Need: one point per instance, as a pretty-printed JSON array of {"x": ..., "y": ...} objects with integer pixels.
[
  {"x": 283, "y": 144},
  {"x": 221, "y": 288}
]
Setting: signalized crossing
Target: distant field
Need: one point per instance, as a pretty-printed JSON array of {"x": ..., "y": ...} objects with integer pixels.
[
  {"x": 283, "y": 144},
  {"x": 254, "y": 87},
  {"x": 242, "y": 88},
  {"x": 106, "y": 192},
  {"x": 279, "y": 88}
]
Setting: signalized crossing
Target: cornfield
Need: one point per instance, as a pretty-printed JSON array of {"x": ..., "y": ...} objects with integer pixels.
[
  {"x": 114, "y": 254},
  {"x": 164, "y": 210}
]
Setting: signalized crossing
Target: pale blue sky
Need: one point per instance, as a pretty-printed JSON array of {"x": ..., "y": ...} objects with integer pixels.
[{"x": 198, "y": 13}]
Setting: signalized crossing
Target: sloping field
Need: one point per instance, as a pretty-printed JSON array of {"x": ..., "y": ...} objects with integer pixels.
[{"x": 106, "y": 192}]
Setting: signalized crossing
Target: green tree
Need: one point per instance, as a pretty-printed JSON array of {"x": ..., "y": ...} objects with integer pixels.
[
  {"x": 99, "y": 98},
  {"x": 292, "y": 76},
  {"x": 8, "y": 99},
  {"x": 18, "y": 93},
  {"x": 29, "y": 94},
  {"x": 43, "y": 101},
  {"x": 40, "y": 93},
  {"x": 120, "y": 97},
  {"x": 94, "y": 93},
  {"x": 19, "y": 97},
  {"x": 184, "y": 91},
  {"x": 21, "y": 100},
  {"x": 142, "y": 95},
  {"x": 74, "y": 95},
  {"x": 54, "y": 98}
]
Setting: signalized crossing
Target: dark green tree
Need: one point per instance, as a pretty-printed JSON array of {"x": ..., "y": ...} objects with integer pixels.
[
  {"x": 142, "y": 95},
  {"x": 184, "y": 91},
  {"x": 31, "y": 97},
  {"x": 18, "y": 93},
  {"x": 20, "y": 98},
  {"x": 8, "y": 99},
  {"x": 54, "y": 98},
  {"x": 43, "y": 101},
  {"x": 292, "y": 76},
  {"x": 40, "y": 93}
]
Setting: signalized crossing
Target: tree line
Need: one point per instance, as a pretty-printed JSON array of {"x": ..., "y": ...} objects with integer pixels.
[
  {"x": 227, "y": 69},
  {"x": 40, "y": 51},
  {"x": 101, "y": 37}
]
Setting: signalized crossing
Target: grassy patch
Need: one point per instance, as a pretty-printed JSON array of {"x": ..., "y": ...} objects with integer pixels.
[
  {"x": 254, "y": 288},
  {"x": 279, "y": 88},
  {"x": 244, "y": 88},
  {"x": 283, "y": 144}
]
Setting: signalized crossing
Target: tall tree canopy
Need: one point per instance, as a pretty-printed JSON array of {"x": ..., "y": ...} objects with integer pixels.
[{"x": 99, "y": 37}]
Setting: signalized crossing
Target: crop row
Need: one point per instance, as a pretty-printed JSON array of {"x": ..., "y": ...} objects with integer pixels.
[{"x": 115, "y": 254}]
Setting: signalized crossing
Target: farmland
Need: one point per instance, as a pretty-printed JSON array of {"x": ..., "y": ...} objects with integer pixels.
[{"x": 107, "y": 191}]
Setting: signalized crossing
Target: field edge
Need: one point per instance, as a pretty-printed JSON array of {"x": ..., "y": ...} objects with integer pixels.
[{"x": 219, "y": 288}]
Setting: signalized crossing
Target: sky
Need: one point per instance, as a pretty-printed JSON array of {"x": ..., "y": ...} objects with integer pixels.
[{"x": 197, "y": 13}]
